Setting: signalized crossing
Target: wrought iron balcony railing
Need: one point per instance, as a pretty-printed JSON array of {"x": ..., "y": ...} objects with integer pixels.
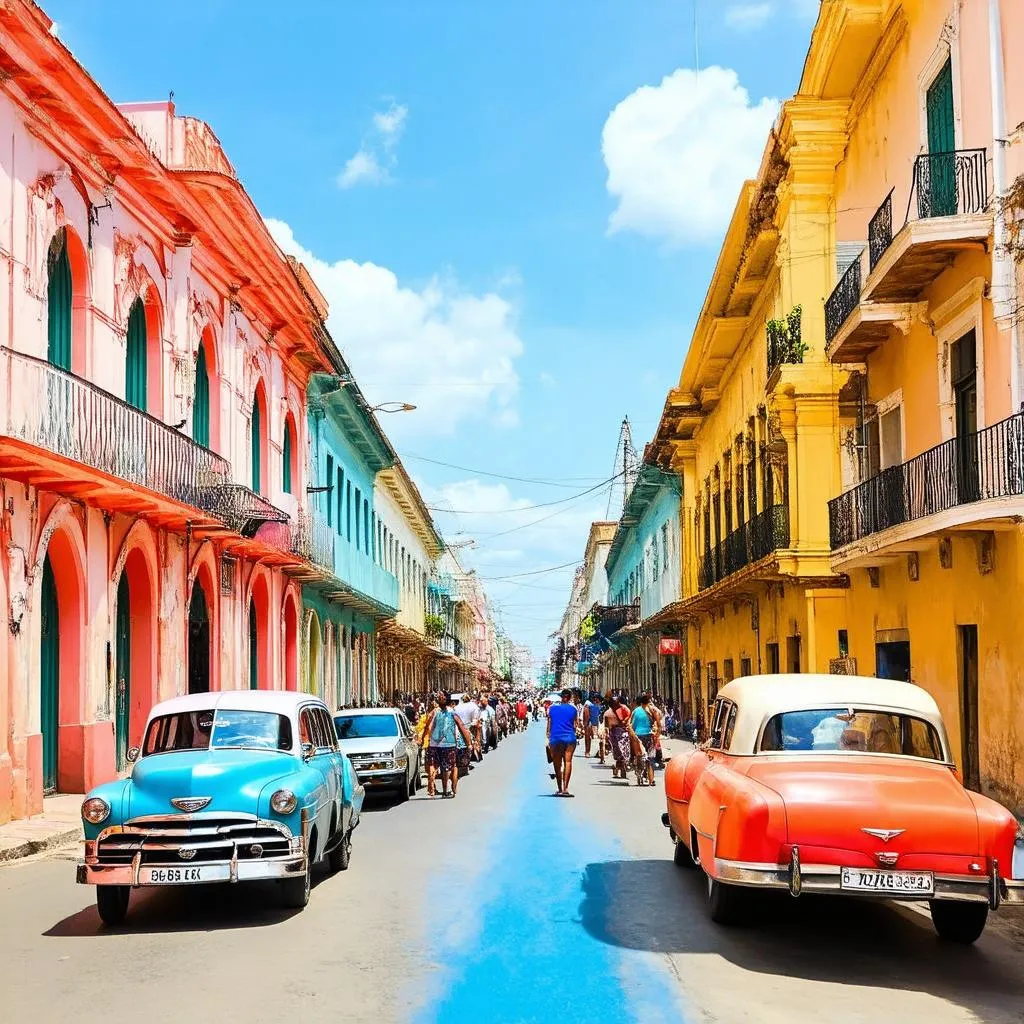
[
  {"x": 54, "y": 410},
  {"x": 986, "y": 464},
  {"x": 843, "y": 301},
  {"x": 766, "y": 532},
  {"x": 313, "y": 540},
  {"x": 944, "y": 184}
]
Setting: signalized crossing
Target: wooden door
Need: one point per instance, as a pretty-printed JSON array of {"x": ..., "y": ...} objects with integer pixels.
[
  {"x": 123, "y": 663},
  {"x": 49, "y": 676}
]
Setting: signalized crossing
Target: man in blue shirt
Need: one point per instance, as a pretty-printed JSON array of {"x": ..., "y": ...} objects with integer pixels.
[{"x": 562, "y": 740}]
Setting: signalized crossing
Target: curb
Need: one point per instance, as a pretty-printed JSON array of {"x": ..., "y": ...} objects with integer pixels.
[{"x": 28, "y": 847}]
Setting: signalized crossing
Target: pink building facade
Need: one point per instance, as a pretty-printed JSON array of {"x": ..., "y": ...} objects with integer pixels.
[{"x": 155, "y": 350}]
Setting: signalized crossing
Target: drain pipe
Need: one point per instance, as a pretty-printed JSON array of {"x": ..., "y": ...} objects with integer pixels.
[{"x": 1004, "y": 277}]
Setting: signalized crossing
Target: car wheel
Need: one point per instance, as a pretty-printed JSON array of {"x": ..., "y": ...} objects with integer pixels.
[
  {"x": 414, "y": 782},
  {"x": 682, "y": 858},
  {"x": 341, "y": 855},
  {"x": 112, "y": 903},
  {"x": 959, "y": 922},
  {"x": 726, "y": 903},
  {"x": 295, "y": 890}
]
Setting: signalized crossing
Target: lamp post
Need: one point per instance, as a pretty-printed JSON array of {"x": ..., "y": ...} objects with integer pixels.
[{"x": 392, "y": 407}]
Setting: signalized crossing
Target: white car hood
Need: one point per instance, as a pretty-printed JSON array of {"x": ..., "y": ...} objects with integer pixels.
[{"x": 369, "y": 745}]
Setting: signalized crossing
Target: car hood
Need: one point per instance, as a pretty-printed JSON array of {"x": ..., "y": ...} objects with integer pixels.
[
  {"x": 231, "y": 778},
  {"x": 830, "y": 800},
  {"x": 368, "y": 745}
]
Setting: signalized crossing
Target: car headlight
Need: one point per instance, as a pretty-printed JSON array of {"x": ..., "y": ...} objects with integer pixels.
[
  {"x": 401, "y": 762},
  {"x": 284, "y": 801},
  {"x": 95, "y": 811}
]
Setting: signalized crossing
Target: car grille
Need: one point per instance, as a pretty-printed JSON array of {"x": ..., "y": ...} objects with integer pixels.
[{"x": 211, "y": 838}]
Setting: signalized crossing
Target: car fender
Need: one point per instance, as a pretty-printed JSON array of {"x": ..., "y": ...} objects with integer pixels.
[
  {"x": 751, "y": 823},
  {"x": 681, "y": 774},
  {"x": 118, "y": 798},
  {"x": 997, "y": 831}
]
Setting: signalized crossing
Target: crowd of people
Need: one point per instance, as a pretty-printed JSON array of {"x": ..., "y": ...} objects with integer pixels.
[
  {"x": 610, "y": 726},
  {"x": 456, "y": 730}
]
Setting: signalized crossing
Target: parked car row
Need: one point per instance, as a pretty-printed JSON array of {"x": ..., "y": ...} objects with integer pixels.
[
  {"x": 234, "y": 786},
  {"x": 841, "y": 785}
]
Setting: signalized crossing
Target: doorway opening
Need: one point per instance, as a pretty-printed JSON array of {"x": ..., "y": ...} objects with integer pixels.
[
  {"x": 967, "y": 647},
  {"x": 198, "y": 641},
  {"x": 892, "y": 660}
]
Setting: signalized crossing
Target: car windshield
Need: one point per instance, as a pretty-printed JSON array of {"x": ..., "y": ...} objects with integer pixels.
[
  {"x": 357, "y": 727},
  {"x": 205, "y": 729},
  {"x": 852, "y": 730}
]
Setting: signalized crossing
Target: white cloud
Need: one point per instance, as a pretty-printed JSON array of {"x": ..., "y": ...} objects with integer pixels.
[
  {"x": 450, "y": 353},
  {"x": 377, "y": 156},
  {"x": 362, "y": 166},
  {"x": 677, "y": 153},
  {"x": 746, "y": 17}
]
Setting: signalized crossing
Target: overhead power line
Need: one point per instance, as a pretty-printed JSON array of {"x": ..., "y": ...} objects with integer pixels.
[
  {"x": 502, "y": 476},
  {"x": 535, "y": 572},
  {"x": 523, "y": 508}
]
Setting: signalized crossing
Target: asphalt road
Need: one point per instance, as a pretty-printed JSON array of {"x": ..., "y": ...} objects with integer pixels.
[{"x": 502, "y": 905}]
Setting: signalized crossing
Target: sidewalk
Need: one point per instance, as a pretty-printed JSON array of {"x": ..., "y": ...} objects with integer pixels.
[{"x": 59, "y": 823}]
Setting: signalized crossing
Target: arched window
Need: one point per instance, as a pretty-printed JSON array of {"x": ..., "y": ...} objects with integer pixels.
[
  {"x": 258, "y": 439},
  {"x": 201, "y": 402},
  {"x": 287, "y": 449},
  {"x": 58, "y": 323},
  {"x": 136, "y": 371}
]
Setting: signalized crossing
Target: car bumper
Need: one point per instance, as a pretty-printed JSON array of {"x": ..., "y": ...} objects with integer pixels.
[
  {"x": 800, "y": 878},
  {"x": 136, "y": 873},
  {"x": 381, "y": 778}
]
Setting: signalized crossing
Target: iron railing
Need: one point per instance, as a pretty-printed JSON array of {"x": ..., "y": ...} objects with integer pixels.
[
  {"x": 988, "y": 463},
  {"x": 843, "y": 301},
  {"x": 612, "y": 618},
  {"x": 880, "y": 232},
  {"x": 52, "y": 409},
  {"x": 944, "y": 184},
  {"x": 768, "y": 531},
  {"x": 313, "y": 540},
  {"x": 244, "y": 511}
]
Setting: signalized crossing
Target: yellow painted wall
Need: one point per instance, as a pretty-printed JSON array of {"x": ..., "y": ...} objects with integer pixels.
[{"x": 930, "y": 609}]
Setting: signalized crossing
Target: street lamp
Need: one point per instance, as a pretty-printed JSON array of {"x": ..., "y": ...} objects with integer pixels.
[{"x": 392, "y": 407}]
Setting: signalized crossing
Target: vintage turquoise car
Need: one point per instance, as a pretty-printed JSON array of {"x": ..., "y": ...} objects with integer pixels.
[{"x": 235, "y": 786}]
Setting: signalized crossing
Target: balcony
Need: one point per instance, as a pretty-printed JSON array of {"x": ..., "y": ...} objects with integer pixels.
[
  {"x": 947, "y": 214},
  {"x": 965, "y": 481},
  {"x": 784, "y": 342},
  {"x": 765, "y": 534},
  {"x": 358, "y": 581},
  {"x": 60, "y": 432}
]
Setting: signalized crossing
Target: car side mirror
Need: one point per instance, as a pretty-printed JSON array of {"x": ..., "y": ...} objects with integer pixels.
[
  {"x": 132, "y": 755},
  {"x": 307, "y": 751}
]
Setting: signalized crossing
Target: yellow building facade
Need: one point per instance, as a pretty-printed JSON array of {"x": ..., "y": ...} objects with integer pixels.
[
  {"x": 925, "y": 319},
  {"x": 845, "y": 421}
]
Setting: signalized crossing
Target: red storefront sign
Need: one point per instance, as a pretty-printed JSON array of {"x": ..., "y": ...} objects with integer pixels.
[{"x": 670, "y": 645}]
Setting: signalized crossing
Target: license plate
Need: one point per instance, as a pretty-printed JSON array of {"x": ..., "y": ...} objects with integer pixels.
[
  {"x": 897, "y": 883},
  {"x": 184, "y": 875}
]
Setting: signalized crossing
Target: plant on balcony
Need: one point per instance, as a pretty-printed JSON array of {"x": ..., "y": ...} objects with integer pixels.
[
  {"x": 434, "y": 625},
  {"x": 588, "y": 627},
  {"x": 1013, "y": 211},
  {"x": 785, "y": 341}
]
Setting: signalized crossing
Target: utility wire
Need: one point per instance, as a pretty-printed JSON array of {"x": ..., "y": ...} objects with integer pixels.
[
  {"x": 500, "y": 476},
  {"x": 535, "y": 572},
  {"x": 524, "y": 508}
]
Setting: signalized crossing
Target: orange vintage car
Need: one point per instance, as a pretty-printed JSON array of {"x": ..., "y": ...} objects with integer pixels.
[{"x": 842, "y": 785}]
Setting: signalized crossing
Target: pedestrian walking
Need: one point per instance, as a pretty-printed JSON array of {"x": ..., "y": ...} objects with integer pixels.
[
  {"x": 617, "y": 725},
  {"x": 443, "y": 729},
  {"x": 591, "y": 721},
  {"x": 561, "y": 733},
  {"x": 469, "y": 711},
  {"x": 644, "y": 721}
]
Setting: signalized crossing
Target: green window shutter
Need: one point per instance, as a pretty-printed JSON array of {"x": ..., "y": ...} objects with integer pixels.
[
  {"x": 286, "y": 458},
  {"x": 123, "y": 662},
  {"x": 257, "y": 428},
  {"x": 254, "y": 676},
  {"x": 329, "y": 477},
  {"x": 58, "y": 297},
  {"x": 135, "y": 357},
  {"x": 340, "y": 501},
  {"x": 940, "y": 182},
  {"x": 49, "y": 675},
  {"x": 201, "y": 403}
]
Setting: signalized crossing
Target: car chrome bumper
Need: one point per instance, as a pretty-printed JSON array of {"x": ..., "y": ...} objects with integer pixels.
[
  {"x": 799, "y": 878},
  {"x": 382, "y": 777},
  {"x": 233, "y": 870}
]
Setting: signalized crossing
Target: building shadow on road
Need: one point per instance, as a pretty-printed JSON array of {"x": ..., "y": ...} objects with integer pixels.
[{"x": 653, "y": 906}]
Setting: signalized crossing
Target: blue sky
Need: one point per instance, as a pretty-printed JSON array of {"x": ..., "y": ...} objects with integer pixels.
[{"x": 513, "y": 206}]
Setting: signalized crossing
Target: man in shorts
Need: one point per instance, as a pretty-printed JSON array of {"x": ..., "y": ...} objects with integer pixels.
[
  {"x": 561, "y": 732},
  {"x": 591, "y": 721}
]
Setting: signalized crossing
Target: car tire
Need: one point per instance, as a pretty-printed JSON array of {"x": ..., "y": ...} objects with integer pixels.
[
  {"x": 414, "y": 783},
  {"x": 341, "y": 855},
  {"x": 727, "y": 904},
  {"x": 295, "y": 890},
  {"x": 962, "y": 923},
  {"x": 112, "y": 903},
  {"x": 681, "y": 857}
]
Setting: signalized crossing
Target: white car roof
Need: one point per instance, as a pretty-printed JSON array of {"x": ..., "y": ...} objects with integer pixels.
[
  {"x": 759, "y": 697},
  {"x": 283, "y": 702}
]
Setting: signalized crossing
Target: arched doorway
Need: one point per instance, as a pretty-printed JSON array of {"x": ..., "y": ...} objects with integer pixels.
[
  {"x": 259, "y": 636},
  {"x": 201, "y": 400},
  {"x": 313, "y": 664},
  {"x": 59, "y": 302},
  {"x": 123, "y": 663},
  {"x": 254, "y": 645},
  {"x": 49, "y": 676},
  {"x": 198, "y": 641},
  {"x": 259, "y": 424}
]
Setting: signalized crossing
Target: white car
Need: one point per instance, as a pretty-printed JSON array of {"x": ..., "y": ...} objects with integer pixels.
[{"x": 382, "y": 747}]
